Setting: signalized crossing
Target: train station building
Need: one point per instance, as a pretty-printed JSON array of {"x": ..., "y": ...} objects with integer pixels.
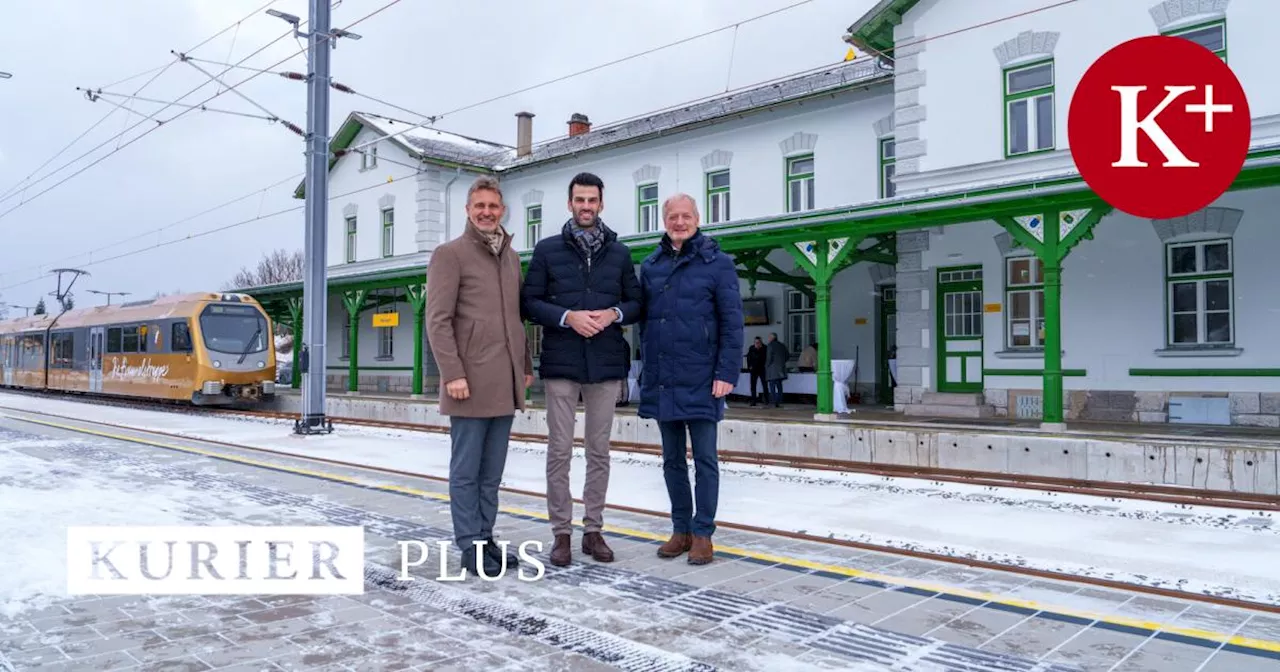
[{"x": 915, "y": 211}]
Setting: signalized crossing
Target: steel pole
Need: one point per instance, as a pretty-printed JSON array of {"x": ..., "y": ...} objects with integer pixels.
[{"x": 314, "y": 288}]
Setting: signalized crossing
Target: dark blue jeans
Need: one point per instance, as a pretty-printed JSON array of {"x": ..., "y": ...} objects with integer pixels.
[
  {"x": 775, "y": 392},
  {"x": 676, "y": 436},
  {"x": 475, "y": 472}
]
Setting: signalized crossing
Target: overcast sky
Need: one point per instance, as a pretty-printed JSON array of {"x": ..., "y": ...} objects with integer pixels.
[{"x": 429, "y": 56}]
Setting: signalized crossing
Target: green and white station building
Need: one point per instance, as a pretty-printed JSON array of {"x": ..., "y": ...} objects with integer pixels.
[{"x": 919, "y": 200}]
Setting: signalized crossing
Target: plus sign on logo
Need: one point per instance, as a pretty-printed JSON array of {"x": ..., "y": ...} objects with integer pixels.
[{"x": 1159, "y": 127}]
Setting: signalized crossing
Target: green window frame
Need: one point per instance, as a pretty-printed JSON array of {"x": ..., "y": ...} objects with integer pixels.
[
  {"x": 888, "y": 165},
  {"x": 1200, "y": 294},
  {"x": 351, "y": 240},
  {"x": 388, "y": 232},
  {"x": 647, "y": 208},
  {"x": 386, "y": 336},
  {"x": 1211, "y": 35},
  {"x": 1030, "y": 112},
  {"x": 717, "y": 207},
  {"x": 1024, "y": 303},
  {"x": 800, "y": 182},
  {"x": 533, "y": 224}
]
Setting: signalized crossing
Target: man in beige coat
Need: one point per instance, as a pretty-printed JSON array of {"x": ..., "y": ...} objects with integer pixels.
[{"x": 478, "y": 339}]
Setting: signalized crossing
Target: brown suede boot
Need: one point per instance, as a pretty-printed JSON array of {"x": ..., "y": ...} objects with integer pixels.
[
  {"x": 702, "y": 551},
  {"x": 594, "y": 546},
  {"x": 561, "y": 552},
  {"x": 679, "y": 543}
]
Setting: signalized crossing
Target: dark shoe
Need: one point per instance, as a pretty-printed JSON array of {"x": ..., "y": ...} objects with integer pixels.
[
  {"x": 493, "y": 550},
  {"x": 561, "y": 552},
  {"x": 702, "y": 551},
  {"x": 594, "y": 546},
  {"x": 473, "y": 562},
  {"x": 679, "y": 543}
]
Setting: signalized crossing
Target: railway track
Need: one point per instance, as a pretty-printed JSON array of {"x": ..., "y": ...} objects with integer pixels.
[
  {"x": 829, "y": 541},
  {"x": 1185, "y": 497}
]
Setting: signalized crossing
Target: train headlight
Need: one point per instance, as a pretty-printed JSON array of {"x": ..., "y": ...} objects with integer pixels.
[
  {"x": 262, "y": 365},
  {"x": 217, "y": 364}
]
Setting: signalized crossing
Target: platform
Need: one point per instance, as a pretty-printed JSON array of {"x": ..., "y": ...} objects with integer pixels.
[
  {"x": 766, "y": 603},
  {"x": 1241, "y": 459}
]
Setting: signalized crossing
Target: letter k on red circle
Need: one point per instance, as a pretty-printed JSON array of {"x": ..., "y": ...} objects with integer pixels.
[{"x": 1159, "y": 127}]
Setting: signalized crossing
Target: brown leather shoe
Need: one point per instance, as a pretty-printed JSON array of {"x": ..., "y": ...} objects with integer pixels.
[
  {"x": 594, "y": 546},
  {"x": 680, "y": 542},
  {"x": 702, "y": 551},
  {"x": 561, "y": 552}
]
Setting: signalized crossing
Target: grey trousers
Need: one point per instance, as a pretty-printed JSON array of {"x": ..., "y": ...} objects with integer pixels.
[
  {"x": 600, "y": 400},
  {"x": 475, "y": 472}
]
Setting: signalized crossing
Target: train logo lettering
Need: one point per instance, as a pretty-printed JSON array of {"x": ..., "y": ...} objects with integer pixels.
[{"x": 120, "y": 370}]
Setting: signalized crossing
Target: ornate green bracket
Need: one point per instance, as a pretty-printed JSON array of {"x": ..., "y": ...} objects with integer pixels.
[
  {"x": 1051, "y": 235},
  {"x": 354, "y": 301},
  {"x": 295, "y": 319},
  {"x": 823, "y": 259},
  {"x": 418, "y": 301}
]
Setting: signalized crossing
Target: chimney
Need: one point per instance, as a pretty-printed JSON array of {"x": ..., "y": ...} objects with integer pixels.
[
  {"x": 578, "y": 124},
  {"x": 524, "y": 133}
]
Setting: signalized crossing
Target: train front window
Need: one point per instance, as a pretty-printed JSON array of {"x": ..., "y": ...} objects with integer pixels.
[{"x": 234, "y": 330}]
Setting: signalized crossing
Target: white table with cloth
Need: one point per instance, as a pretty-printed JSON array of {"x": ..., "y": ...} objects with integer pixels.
[{"x": 807, "y": 383}]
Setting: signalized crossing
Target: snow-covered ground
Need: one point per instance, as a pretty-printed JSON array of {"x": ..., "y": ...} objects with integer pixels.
[
  {"x": 1203, "y": 549},
  {"x": 40, "y": 499}
]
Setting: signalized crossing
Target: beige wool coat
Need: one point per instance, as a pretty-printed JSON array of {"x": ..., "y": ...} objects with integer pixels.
[{"x": 474, "y": 326}]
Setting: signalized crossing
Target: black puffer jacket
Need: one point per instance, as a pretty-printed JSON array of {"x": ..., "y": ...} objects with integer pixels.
[{"x": 561, "y": 278}]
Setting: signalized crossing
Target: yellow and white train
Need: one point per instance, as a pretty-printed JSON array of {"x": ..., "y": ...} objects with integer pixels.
[{"x": 202, "y": 348}]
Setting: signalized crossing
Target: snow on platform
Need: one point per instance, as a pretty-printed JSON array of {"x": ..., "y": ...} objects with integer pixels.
[
  {"x": 1201, "y": 550},
  {"x": 763, "y": 605}
]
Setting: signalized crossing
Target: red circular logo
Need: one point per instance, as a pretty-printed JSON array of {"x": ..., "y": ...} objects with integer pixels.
[{"x": 1159, "y": 127}]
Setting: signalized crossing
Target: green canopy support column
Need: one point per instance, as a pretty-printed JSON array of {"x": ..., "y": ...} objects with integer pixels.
[
  {"x": 822, "y": 259},
  {"x": 1051, "y": 235},
  {"x": 295, "y": 320},
  {"x": 418, "y": 301},
  {"x": 354, "y": 303}
]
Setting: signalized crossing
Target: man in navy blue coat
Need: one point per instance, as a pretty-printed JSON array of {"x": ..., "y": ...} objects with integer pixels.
[
  {"x": 691, "y": 345},
  {"x": 582, "y": 288}
]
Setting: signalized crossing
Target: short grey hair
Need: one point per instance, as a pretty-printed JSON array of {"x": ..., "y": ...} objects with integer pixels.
[
  {"x": 679, "y": 197},
  {"x": 486, "y": 182}
]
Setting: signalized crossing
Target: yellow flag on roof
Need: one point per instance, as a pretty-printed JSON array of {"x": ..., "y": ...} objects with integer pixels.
[{"x": 851, "y": 55}]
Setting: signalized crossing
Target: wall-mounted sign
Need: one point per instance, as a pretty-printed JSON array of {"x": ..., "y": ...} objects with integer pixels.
[
  {"x": 386, "y": 319},
  {"x": 991, "y": 308}
]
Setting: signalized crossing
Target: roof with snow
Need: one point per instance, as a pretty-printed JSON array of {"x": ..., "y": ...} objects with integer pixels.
[
  {"x": 790, "y": 89},
  {"x": 430, "y": 144}
]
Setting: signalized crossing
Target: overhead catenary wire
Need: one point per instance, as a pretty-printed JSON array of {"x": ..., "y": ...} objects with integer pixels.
[
  {"x": 418, "y": 168},
  {"x": 434, "y": 118},
  {"x": 208, "y": 232},
  {"x": 160, "y": 70},
  {"x": 322, "y": 42}
]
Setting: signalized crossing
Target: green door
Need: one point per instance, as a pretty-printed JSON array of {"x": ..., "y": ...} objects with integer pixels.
[
  {"x": 960, "y": 329},
  {"x": 888, "y": 339}
]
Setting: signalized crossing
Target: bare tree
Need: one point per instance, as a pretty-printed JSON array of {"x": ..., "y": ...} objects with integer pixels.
[{"x": 277, "y": 267}]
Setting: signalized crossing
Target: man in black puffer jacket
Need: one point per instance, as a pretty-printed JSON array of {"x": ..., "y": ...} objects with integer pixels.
[{"x": 582, "y": 288}]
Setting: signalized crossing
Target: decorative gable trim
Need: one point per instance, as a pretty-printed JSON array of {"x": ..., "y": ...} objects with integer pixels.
[
  {"x": 387, "y": 201},
  {"x": 884, "y": 127},
  {"x": 1202, "y": 223},
  {"x": 349, "y": 210},
  {"x": 532, "y": 197},
  {"x": 799, "y": 143},
  {"x": 1026, "y": 46},
  {"x": 647, "y": 173},
  {"x": 1170, "y": 13},
  {"x": 720, "y": 158}
]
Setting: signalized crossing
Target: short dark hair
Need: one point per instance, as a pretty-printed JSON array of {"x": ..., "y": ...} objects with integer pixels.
[{"x": 586, "y": 180}]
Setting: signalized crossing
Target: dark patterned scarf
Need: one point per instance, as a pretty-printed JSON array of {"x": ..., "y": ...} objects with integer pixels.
[{"x": 589, "y": 240}]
